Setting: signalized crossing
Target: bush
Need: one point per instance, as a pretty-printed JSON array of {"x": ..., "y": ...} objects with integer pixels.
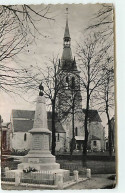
[{"x": 18, "y": 152}]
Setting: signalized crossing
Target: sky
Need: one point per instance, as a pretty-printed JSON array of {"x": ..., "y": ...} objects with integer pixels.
[{"x": 49, "y": 45}]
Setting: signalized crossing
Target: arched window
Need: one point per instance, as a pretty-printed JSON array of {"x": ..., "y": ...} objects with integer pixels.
[
  {"x": 94, "y": 143},
  {"x": 67, "y": 79},
  {"x": 67, "y": 82},
  {"x": 25, "y": 137},
  {"x": 73, "y": 82},
  {"x": 58, "y": 137},
  {"x": 76, "y": 131}
]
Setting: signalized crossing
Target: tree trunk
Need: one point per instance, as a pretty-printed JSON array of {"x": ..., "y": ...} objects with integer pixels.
[
  {"x": 86, "y": 122},
  {"x": 109, "y": 122},
  {"x": 53, "y": 128},
  {"x": 109, "y": 135},
  {"x": 86, "y": 135},
  {"x": 86, "y": 116},
  {"x": 85, "y": 142}
]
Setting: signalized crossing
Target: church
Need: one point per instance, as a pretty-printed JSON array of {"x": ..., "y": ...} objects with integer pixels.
[{"x": 69, "y": 122}]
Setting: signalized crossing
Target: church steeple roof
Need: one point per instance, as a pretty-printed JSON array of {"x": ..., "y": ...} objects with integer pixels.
[
  {"x": 67, "y": 34},
  {"x": 67, "y": 53},
  {"x": 67, "y": 59}
]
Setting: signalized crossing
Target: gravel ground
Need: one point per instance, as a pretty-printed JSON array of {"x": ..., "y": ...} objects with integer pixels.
[{"x": 96, "y": 182}]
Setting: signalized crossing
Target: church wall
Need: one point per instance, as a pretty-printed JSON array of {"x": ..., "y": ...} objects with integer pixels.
[
  {"x": 60, "y": 142},
  {"x": 67, "y": 125},
  {"x": 96, "y": 129},
  {"x": 97, "y": 147},
  {"x": 20, "y": 141}
]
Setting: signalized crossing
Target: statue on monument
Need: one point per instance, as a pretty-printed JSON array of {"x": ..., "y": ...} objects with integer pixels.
[{"x": 41, "y": 89}]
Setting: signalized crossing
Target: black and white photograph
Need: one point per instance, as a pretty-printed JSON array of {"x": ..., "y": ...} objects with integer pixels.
[{"x": 58, "y": 97}]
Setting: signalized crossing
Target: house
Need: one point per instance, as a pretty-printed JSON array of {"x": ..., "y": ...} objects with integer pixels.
[{"x": 5, "y": 136}]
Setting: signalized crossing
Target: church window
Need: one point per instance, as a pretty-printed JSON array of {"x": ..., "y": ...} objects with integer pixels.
[
  {"x": 25, "y": 137},
  {"x": 67, "y": 79},
  {"x": 67, "y": 82},
  {"x": 58, "y": 137},
  {"x": 76, "y": 131},
  {"x": 94, "y": 143},
  {"x": 73, "y": 82}
]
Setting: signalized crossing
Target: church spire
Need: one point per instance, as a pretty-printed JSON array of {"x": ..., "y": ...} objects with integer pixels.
[
  {"x": 66, "y": 34},
  {"x": 67, "y": 53}
]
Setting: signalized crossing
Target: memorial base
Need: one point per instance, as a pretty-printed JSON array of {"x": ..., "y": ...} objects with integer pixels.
[
  {"x": 39, "y": 177},
  {"x": 39, "y": 160}
]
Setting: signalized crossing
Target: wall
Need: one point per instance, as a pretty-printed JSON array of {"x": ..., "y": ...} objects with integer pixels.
[
  {"x": 61, "y": 143},
  {"x": 18, "y": 140},
  {"x": 67, "y": 125},
  {"x": 97, "y": 147},
  {"x": 96, "y": 129},
  {"x": 19, "y": 143}
]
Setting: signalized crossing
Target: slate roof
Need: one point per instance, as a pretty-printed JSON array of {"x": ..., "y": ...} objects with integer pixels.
[
  {"x": 67, "y": 55},
  {"x": 26, "y": 114},
  {"x": 22, "y": 125},
  {"x": 66, "y": 33},
  {"x": 23, "y": 121},
  {"x": 93, "y": 116}
]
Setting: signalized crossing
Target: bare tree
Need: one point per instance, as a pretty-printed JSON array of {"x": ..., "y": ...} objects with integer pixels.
[
  {"x": 105, "y": 98},
  {"x": 103, "y": 26},
  {"x": 103, "y": 20},
  {"x": 17, "y": 30},
  {"x": 92, "y": 57},
  {"x": 69, "y": 108}
]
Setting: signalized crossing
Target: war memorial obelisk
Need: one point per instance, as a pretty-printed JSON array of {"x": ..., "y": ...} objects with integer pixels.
[
  {"x": 39, "y": 160},
  {"x": 39, "y": 155}
]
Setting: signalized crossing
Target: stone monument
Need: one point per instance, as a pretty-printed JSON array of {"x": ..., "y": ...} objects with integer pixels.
[{"x": 39, "y": 157}]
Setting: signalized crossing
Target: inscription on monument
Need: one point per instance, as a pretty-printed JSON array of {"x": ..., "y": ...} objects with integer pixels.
[
  {"x": 40, "y": 142},
  {"x": 33, "y": 160},
  {"x": 46, "y": 142},
  {"x": 36, "y": 142}
]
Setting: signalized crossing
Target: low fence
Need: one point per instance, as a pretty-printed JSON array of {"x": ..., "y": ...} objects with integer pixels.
[
  {"x": 40, "y": 177},
  {"x": 44, "y": 178}
]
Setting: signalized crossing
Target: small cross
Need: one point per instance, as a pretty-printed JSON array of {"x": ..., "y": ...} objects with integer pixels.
[{"x": 67, "y": 13}]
